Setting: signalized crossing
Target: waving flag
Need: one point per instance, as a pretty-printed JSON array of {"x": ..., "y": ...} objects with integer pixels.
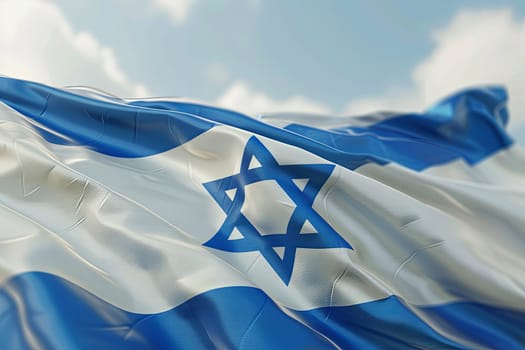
[{"x": 163, "y": 224}]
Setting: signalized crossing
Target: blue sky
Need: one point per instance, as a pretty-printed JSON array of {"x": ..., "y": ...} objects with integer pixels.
[{"x": 333, "y": 57}]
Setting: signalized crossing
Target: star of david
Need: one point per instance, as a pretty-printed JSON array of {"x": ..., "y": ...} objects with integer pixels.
[{"x": 270, "y": 244}]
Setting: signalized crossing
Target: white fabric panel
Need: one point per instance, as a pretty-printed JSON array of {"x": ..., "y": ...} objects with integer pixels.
[{"x": 131, "y": 230}]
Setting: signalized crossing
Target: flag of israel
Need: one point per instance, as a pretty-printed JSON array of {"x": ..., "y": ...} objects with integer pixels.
[{"x": 163, "y": 224}]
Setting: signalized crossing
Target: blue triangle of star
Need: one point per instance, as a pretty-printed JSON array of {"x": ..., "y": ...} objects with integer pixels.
[{"x": 251, "y": 239}]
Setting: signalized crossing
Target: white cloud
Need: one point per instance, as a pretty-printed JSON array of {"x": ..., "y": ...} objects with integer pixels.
[
  {"x": 475, "y": 48},
  {"x": 178, "y": 10},
  {"x": 241, "y": 97},
  {"x": 38, "y": 43}
]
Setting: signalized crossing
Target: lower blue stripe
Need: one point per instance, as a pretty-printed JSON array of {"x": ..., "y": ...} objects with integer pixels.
[
  {"x": 390, "y": 324},
  {"x": 39, "y": 310}
]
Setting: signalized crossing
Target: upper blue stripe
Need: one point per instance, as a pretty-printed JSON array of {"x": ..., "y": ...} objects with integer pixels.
[
  {"x": 469, "y": 125},
  {"x": 39, "y": 309},
  {"x": 116, "y": 129}
]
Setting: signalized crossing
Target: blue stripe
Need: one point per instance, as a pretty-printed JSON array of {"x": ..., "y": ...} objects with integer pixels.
[
  {"x": 350, "y": 160},
  {"x": 43, "y": 309},
  {"x": 391, "y": 324},
  {"x": 109, "y": 128},
  {"x": 469, "y": 125},
  {"x": 39, "y": 308}
]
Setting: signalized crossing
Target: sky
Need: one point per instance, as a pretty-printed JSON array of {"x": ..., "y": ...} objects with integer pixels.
[{"x": 329, "y": 57}]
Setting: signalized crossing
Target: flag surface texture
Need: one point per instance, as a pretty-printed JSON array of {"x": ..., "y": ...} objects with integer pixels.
[{"x": 164, "y": 224}]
